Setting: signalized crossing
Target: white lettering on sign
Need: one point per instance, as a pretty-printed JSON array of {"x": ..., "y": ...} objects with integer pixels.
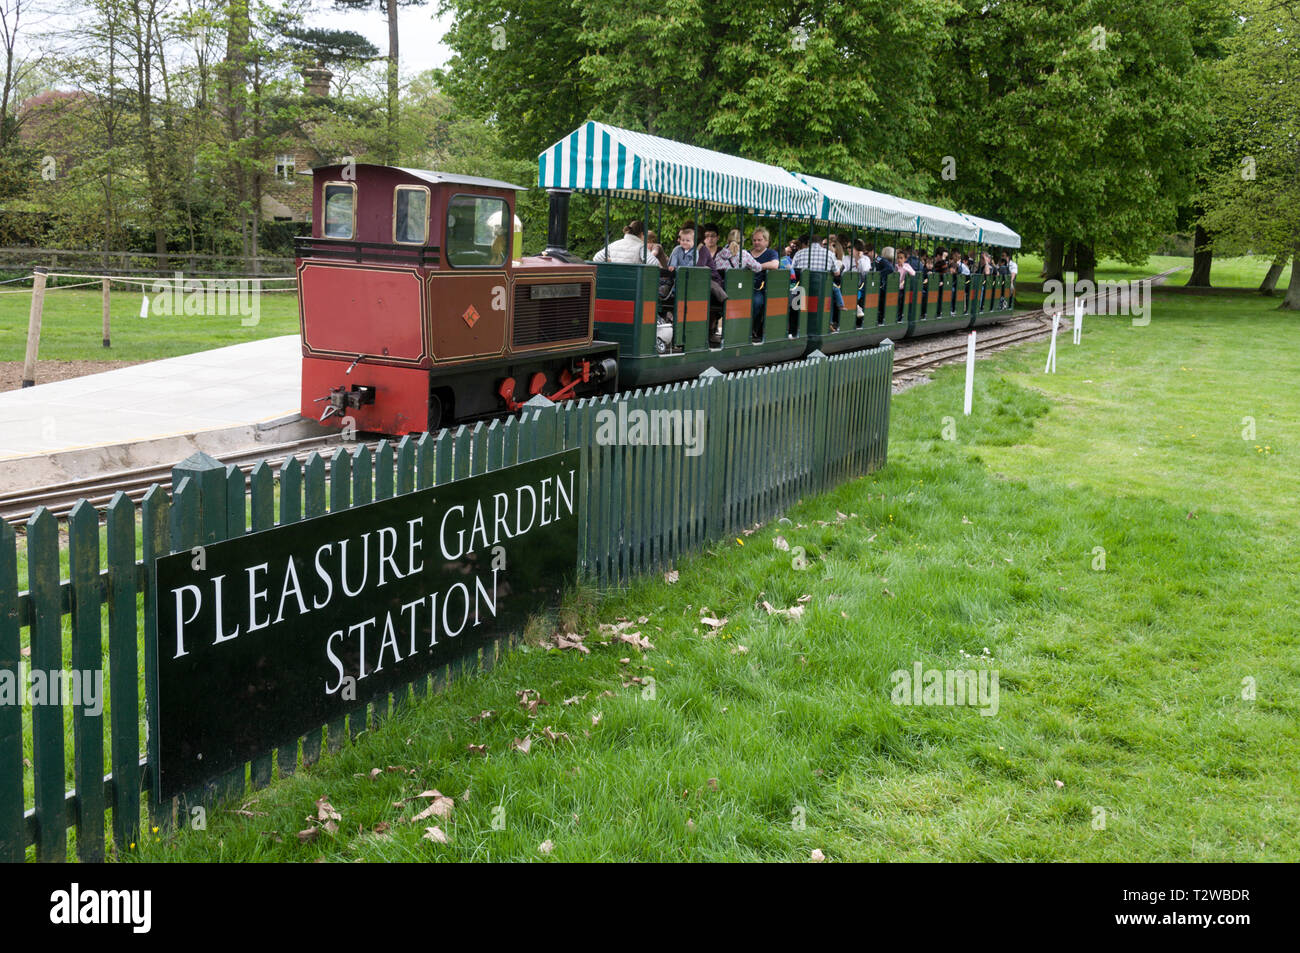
[{"x": 354, "y": 567}]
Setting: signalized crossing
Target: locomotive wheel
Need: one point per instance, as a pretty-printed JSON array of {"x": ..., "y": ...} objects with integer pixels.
[{"x": 440, "y": 410}]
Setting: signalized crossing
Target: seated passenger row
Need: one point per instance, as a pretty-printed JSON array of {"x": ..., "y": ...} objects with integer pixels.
[{"x": 828, "y": 254}]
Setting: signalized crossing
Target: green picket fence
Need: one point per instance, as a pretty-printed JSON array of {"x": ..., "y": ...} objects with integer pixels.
[{"x": 762, "y": 439}]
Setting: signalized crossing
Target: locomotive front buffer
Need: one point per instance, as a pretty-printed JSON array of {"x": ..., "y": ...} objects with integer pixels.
[{"x": 341, "y": 399}]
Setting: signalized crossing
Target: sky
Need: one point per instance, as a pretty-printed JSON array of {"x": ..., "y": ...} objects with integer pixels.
[{"x": 420, "y": 31}]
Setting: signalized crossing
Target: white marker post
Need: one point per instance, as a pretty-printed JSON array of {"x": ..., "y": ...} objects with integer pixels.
[
  {"x": 1051, "y": 352},
  {"x": 1078, "y": 321},
  {"x": 970, "y": 371}
]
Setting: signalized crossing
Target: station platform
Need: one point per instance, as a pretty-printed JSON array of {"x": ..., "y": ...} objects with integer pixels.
[{"x": 227, "y": 398}]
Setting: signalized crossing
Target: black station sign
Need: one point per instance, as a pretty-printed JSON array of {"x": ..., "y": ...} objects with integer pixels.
[{"x": 265, "y": 637}]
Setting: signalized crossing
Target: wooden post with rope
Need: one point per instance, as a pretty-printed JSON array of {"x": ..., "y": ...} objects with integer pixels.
[
  {"x": 107, "y": 334},
  {"x": 34, "y": 326}
]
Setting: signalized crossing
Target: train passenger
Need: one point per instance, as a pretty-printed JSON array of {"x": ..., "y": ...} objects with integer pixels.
[
  {"x": 628, "y": 250},
  {"x": 731, "y": 255},
  {"x": 707, "y": 258},
  {"x": 862, "y": 263},
  {"x": 814, "y": 256},
  {"x": 903, "y": 266},
  {"x": 841, "y": 262},
  {"x": 787, "y": 256},
  {"x": 914, "y": 260},
  {"x": 765, "y": 255},
  {"x": 885, "y": 264}
]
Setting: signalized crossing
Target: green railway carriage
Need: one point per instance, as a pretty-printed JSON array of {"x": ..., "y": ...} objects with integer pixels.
[{"x": 666, "y": 325}]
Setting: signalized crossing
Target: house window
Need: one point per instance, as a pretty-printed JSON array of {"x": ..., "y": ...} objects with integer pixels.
[
  {"x": 477, "y": 231},
  {"x": 411, "y": 214},
  {"x": 340, "y": 209},
  {"x": 284, "y": 168}
]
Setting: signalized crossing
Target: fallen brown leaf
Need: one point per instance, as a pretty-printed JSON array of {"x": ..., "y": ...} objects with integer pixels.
[{"x": 325, "y": 811}]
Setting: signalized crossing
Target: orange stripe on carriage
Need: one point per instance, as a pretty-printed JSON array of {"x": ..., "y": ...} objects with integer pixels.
[
  {"x": 739, "y": 309},
  {"x": 611, "y": 311},
  {"x": 697, "y": 311}
]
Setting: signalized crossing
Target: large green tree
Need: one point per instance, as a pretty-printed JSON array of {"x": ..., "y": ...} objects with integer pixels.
[
  {"x": 1070, "y": 121},
  {"x": 841, "y": 90},
  {"x": 1253, "y": 197}
]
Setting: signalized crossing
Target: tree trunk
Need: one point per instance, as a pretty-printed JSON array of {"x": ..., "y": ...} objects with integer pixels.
[
  {"x": 390, "y": 146},
  {"x": 1202, "y": 256},
  {"x": 1292, "y": 300},
  {"x": 234, "y": 91},
  {"x": 1053, "y": 249},
  {"x": 1268, "y": 287},
  {"x": 1085, "y": 263}
]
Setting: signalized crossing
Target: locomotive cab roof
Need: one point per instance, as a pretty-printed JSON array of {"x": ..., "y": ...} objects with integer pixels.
[
  {"x": 431, "y": 176},
  {"x": 440, "y": 218}
]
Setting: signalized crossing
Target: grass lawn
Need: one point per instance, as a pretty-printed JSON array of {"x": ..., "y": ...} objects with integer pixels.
[
  {"x": 1148, "y": 709},
  {"x": 1246, "y": 271},
  {"x": 72, "y": 326}
]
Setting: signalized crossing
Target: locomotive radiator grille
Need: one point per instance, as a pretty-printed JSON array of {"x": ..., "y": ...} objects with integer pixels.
[{"x": 547, "y": 312}]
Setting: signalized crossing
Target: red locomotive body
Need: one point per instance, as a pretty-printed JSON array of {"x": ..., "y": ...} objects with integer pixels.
[{"x": 414, "y": 315}]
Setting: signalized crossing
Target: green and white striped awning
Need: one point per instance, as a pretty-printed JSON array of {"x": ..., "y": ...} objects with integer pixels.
[
  {"x": 849, "y": 205},
  {"x": 994, "y": 233},
  {"x": 942, "y": 222},
  {"x": 606, "y": 160}
]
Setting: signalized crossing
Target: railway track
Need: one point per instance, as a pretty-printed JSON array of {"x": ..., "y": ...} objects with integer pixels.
[
  {"x": 18, "y": 507},
  {"x": 1028, "y": 327}
]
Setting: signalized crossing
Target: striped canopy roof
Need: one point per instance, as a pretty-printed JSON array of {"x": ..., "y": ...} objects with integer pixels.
[
  {"x": 942, "y": 222},
  {"x": 850, "y": 205},
  {"x": 608, "y": 160},
  {"x": 995, "y": 233}
]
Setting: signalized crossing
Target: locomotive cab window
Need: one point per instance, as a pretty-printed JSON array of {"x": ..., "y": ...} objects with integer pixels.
[
  {"x": 411, "y": 214},
  {"x": 478, "y": 231},
  {"x": 340, "y": 210}
]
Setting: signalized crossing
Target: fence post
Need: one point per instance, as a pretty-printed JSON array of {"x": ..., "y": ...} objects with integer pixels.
[
  {"x": 820, "y": 402},
  {"x": 210, "y": 487},
  {"x": 717, "y": 514},
  {"x": 34, "y": 326},
  {"x": 107, "y": 330}
]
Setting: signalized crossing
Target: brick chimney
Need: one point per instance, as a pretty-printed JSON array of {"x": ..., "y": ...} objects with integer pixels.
[{"x": 318, "y": 80}]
